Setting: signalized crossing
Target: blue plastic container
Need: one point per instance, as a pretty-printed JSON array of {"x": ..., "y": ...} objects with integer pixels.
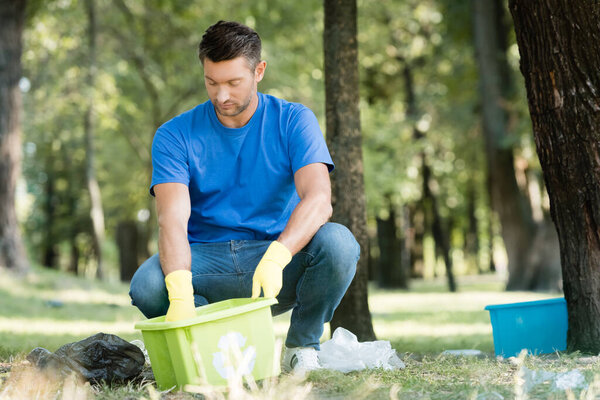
[{"x": 538, "y": 326}]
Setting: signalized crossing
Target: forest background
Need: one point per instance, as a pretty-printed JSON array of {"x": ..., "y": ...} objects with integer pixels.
[
  {"x": 95, "y": 90},
  {"x": 452, "y": 182}
]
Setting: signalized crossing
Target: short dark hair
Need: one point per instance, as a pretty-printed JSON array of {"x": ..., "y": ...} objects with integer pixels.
[{"x": 227, "y": 40}]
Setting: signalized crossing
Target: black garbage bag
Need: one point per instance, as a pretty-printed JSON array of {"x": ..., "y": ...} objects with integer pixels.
[{"x": 101, "y": 357}]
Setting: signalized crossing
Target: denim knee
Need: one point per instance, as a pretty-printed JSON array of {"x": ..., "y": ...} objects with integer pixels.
[
  {"x": 336, "y": 243},
  {"x": 147, "y": 289}
]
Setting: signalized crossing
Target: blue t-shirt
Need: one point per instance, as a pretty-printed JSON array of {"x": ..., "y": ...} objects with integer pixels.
[{"x": 241, "y": 180}]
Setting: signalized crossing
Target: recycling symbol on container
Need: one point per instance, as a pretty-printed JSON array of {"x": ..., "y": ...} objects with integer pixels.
[{"x": 233, "y": 359}]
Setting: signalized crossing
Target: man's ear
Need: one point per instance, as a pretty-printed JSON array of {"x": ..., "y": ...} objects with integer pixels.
[{"x": 259, "y": 72}]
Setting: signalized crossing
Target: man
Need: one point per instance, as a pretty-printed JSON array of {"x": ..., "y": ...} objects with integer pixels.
[{"x": 243, "y": 197}]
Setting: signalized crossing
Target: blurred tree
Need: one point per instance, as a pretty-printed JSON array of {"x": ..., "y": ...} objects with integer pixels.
[
  {"x": 344, "y": 140},
  {"x": 558, "y": 42},
  {"x": 391, "y": 271},
  {"x": 514, "y": 210},
  {"x": 54, "y": 156},
  {"x": 471, "y": 243},
  {"x": 127, "y": 238},
  {"x": 96, "y": 210},
  {"x": 516, "y": 220},
  {"x": 459, "y": 108},
  {"x": 12, "y": 20},
  {"x": 408, "y": 70},
  {"x": 428, "y": 203}
]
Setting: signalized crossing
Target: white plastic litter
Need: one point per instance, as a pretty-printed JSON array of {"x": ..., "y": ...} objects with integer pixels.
[
  {"x": 343, "y": 352},
  {"x": 463, "y": 352},
  {"x": 142, "y": 347},
  {"x": 573, "y": 379}
]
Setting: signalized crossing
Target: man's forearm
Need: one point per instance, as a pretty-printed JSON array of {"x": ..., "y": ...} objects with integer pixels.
[
  {"x": 173, "y": 249},
  {"x": 309, "y": 215}
]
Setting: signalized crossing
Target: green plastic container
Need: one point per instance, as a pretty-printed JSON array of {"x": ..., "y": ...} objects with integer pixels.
[{"x": 224, "y": 337}]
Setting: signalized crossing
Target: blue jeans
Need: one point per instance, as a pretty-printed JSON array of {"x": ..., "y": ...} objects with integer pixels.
[{"x": 314, "y": 282}]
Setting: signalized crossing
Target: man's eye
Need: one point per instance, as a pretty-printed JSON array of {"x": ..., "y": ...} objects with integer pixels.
[{"x": 234, "y": 83}]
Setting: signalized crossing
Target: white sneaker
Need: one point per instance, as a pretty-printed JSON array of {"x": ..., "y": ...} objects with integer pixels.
[{"x": 300, "y": 360}]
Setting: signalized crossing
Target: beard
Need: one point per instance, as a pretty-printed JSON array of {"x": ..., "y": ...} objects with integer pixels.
[{"x": 236, "y": 110}]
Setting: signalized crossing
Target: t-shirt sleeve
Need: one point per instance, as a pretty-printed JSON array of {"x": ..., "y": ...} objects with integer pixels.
[
  {"x": 306, "y": 142},
  {"x": 169, "y": 158}
]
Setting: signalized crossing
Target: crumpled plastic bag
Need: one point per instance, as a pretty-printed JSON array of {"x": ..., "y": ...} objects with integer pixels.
[
  {"x": 573, "y": 379},
  {"x": 142, "y": 347},
  {"x": 101, "y": 357},
  {"x": 343, "y": 352}
]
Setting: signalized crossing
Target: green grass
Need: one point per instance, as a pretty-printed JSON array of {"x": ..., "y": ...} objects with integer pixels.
[
  {"x": 419, "y": 323},
  {"x": 29, "y": 317}
]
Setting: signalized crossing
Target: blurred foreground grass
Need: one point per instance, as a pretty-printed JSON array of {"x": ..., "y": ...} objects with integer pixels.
[{"x": 48, "y": 309}]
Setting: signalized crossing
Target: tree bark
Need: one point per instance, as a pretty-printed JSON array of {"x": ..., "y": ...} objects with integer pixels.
[
  {"x": 12, "y": 19},
  {"x": 96, "y": 211},
  {"x": 558, "y": 42},
  {"x": 344, "y": 140},
  {"x": 517, "y": 225}
]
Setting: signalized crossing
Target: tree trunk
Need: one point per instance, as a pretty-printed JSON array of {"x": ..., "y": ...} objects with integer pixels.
[
  {"x": 428, "y": 197},
  {"x": 558, "y": 42},
  {"x": 74, "y": 256},
  {"x": 471, "y": 244},
  {"x": 390, "y": 272},
  {"x": 127, "y": 243},
  {"x": 344, "y": 140},
  {"x": 517, "y": 225},
  {"x": 49, "y": 253},
  {"x": 405, "y": 245},
  {"x": 96, "y": 212},
  {"x": 73, "y": 195},
  {"x": 492, "y": 231},
  {"x": 441, "y": 236},
  {"x": 415, "y": 236},
  {"x": 12, "y": 18},
  {"x": 418, "y": 212}
]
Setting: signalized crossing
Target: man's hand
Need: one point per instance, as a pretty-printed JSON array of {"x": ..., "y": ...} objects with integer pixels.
[
  {"x": 181, "y": 295},
  {"x": 269, "y": 272}
]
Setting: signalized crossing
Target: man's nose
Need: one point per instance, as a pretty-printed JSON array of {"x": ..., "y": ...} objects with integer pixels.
[{"x": 222, "y": 95}]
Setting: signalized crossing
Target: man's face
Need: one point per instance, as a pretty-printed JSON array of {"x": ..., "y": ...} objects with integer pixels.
[{"x": 231, "y": 84}]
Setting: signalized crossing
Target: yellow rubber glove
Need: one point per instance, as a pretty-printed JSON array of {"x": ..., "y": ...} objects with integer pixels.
[
  {"x": 181, "y": 295},
  {"x": 269, "y": 272}
]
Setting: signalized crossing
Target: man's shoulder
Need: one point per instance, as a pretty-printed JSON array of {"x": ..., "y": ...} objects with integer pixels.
[
  {"x": 286, "y": 109},
  {"x": 186, "y": 118}
]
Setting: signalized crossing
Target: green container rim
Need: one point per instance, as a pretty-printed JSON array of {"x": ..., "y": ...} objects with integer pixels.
[
  {"x": 535, "y": 303},
  {"x": 208, "y": 313}
]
